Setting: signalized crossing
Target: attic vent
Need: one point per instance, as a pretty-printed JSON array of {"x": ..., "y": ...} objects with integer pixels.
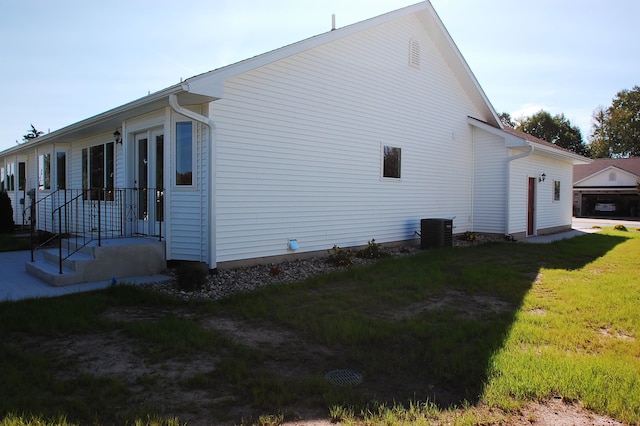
[
  {"x": 612, "y": 177},
  {"x": 414, "y": 53}
]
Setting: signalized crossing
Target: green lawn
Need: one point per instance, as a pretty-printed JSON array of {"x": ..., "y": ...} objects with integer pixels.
[{"x": 461, "y": 335}]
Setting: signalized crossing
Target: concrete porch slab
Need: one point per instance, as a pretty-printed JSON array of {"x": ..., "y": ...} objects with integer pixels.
[{"x": 17, "y": 284}]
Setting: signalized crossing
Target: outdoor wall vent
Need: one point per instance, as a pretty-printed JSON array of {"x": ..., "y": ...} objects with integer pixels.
[
  {"x": 293, "y": 245},
  {"x": 414, "y": 53}
]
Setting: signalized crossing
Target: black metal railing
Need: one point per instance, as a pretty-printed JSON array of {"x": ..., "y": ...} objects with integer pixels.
[{"x": 79, "y": 217}]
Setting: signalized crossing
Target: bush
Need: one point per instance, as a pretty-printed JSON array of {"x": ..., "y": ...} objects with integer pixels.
[
  {"x": 620, "y": 228},
  {"x": 340, "y": 257},
  {"x": 468, "y": 236},
  {"x": 6, "y": 214},
  {"x": 191, "y": 277},
  {"x": 372, "y": 251}
]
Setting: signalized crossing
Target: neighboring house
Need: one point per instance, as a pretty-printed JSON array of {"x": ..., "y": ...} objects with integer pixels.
[
  {"x": 355, "y": 134},
  {"x": 607, "y": 187}
]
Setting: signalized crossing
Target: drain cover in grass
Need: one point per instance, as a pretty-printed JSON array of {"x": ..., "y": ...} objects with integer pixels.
[{"x": 343, "y": 377}]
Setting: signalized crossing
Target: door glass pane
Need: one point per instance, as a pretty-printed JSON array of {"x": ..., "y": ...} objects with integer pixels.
[
  {"x": 22, "y": 176},
  {"x": 61, "y": 170},
  {"x": 85, "y": 173},
  {"x": 143, "y": 208},
  {"x": 96, "y": 171},
  {"x": 109, "y": 166},
  {"x": 159, "y": 184}
]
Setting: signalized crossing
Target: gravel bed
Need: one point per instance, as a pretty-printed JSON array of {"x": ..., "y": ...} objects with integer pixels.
[{"x": 227, "y": 282}]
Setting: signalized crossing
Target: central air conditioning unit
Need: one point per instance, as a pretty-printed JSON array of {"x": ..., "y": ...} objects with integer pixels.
[{"x": 436, "y": 233}]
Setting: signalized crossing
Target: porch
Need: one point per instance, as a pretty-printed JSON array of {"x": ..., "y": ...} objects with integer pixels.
[
  {"x": 18, "y": 284},
  {"x": 96, "y": 234}
]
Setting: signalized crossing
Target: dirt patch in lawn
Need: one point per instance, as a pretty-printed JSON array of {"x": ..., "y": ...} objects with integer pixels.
[
  {"x": 461, "y": 304},
  {"x": 186, "y": 386}
]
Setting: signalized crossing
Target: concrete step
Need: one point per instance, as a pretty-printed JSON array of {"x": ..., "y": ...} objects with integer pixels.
[
  {"x": 113, "y": 259},
  {"x": 73, "y": 262},
  {"x": 50, "y": 273}
]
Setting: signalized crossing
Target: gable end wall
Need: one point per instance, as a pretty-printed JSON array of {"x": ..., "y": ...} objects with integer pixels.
[{"x": 299, "y": 146}]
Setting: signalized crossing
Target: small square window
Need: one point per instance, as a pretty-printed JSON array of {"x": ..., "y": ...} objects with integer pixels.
[
  {"x": 391, "y": 162},
  {"x": 556, "y": 190}
]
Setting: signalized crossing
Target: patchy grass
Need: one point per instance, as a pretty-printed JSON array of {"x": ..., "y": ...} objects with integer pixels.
[
  {"x": 577, "y": 336},
  {"x": 458, "y": 336}
]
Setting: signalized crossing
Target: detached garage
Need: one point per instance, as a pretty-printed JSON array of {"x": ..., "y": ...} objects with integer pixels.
[{"x": 608, "y": 187}]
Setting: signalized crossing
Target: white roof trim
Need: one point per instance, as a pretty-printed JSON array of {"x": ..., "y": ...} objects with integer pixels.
[
  {"x": 561, "y": 154},
  {"x": 606, "y": 169},
  {"x": 221, "y": 74},
  {"x": 212, "y": 83},
  {"x": 513, "y": 141},
  {"x": 210, "y": 86},
  {"x": 510, "y": 141},
  {"x": 111, "y": 120}
]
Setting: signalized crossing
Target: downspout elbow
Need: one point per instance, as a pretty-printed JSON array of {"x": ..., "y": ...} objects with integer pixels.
[
  {"x": 524, "y": 154},
  {"x": 173, "y": 103}
]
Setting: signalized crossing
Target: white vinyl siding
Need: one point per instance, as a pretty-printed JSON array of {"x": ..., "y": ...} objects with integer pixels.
[
  {"x": 298, "y": 146},
  {"x": 602, "y": 179},
  {"x": 187, "y": 205},
  {"x": 489, "y": 182},
  {"x": 548, "y": 214}
]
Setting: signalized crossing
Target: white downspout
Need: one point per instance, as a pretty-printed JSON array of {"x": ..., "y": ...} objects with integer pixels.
[
  {"x": 211, "y": 244},
  {"x": 507, "y": 230}
]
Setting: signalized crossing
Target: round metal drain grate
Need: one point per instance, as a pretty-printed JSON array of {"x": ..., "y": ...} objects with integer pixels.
[{"x": 344, "y": 377}]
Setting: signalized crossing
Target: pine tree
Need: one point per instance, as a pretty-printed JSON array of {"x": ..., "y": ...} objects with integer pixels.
[{"x": 6, "y": 214}]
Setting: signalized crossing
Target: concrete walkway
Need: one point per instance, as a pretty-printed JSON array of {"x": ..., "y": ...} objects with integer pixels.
[
  {"x": 17, "y": 284},
  {"x": 581, "y": 226},
  {"x": 545, "y": 239}
]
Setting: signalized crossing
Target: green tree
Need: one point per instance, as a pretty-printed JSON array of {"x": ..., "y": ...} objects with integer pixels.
[
  {"x": 33, "y": 133},
  {"x": 598, "y": 145},
  {"x": 615, "y": 131},
  {"x": 556, "y": 129},
  {"x": 506, "y": 119}
]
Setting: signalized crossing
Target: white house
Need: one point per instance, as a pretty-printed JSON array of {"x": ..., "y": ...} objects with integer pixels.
[
  {"x": 608, "y": 187},
  {"x": 354, "y": 134}
]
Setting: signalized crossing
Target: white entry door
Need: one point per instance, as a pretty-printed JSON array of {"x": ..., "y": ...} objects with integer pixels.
[{"x": 149, "y": 182}]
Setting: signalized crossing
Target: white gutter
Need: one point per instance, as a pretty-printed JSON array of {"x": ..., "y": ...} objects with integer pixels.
[
  {"x": 508, "y": 191},
  {"x": 211, "y": 210}
]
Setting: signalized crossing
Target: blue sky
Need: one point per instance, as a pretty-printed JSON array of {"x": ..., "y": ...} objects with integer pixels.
[{"x": 68, "y": 60}]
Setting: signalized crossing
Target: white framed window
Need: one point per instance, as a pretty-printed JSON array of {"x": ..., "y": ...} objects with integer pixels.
[
  {"x": 391, "y": 162},
  {"x": 184, "y": 153},
  {"x": 556, "y": 190},
  {"x": 10, "y": 179},
  {"x": 98, "y": 172},
  {"x": 44, "y": 171}
]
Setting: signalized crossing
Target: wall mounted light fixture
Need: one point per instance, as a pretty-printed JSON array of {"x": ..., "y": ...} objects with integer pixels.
[
  {"x": 117, "y": 137},
  {"x": 542, "y": 177}
]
